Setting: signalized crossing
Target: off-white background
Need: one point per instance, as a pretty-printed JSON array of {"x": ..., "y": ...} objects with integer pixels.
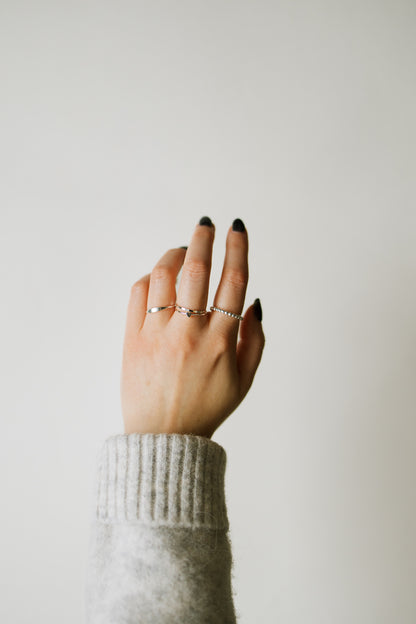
[{"x": 122, "y": 123}]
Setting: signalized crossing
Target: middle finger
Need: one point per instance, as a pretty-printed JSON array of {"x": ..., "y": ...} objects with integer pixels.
[{"x": 194, "y": 282}]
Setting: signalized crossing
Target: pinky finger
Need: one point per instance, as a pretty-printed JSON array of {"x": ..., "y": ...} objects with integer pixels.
[{"x": 249, "y": 349}]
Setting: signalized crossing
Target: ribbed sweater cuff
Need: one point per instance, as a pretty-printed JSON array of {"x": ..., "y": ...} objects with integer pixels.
[{"x": 161, "y": 479}]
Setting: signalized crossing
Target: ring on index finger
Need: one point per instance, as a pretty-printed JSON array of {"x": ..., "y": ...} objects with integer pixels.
[{"x": 159, "y": 308}]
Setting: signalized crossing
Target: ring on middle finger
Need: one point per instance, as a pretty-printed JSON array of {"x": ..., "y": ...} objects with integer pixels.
[{"x": 189, "y": 312}]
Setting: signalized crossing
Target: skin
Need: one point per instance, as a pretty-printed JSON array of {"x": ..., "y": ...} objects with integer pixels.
[{"x": 188, "y": 374}]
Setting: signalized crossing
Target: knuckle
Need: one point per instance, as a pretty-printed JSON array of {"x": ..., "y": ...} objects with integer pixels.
[
  {"x": 195, "y": 269},
  {"x": 221, "y": 342},
  {"x": 237, "y": 242},
  {"x": 138, "y": 286},
  {"x": 187, "y": 346},
  {"x": 236, "y": 278},
  {"x": 162, "y": 272}
]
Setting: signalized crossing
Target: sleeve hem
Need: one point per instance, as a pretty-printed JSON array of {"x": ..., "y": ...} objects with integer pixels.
[{"x": 161, "y": 479}]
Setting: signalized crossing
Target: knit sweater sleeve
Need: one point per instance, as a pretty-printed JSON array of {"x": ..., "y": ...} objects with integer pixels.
[{"x": 159, "y": 549}]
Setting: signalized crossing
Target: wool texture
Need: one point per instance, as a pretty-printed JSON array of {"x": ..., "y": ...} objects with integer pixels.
[{"x": 159, "y": 549}]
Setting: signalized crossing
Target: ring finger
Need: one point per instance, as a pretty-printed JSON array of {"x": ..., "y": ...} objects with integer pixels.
[{"x": 232, "y": 288}]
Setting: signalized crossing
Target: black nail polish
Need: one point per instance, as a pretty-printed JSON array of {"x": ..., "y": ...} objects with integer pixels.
[
  {"x": 258, "y": 313},
  {"x": 238, "y": 226},
  {"x": 183, "y": 247},
  {"x": 205, "y": 221}
]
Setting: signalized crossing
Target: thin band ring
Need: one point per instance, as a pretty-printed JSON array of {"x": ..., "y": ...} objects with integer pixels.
[
  {"x": 159, "y": 308},
  {"x": 237, "y": 316},
  {"x": 188, "y": 312}
]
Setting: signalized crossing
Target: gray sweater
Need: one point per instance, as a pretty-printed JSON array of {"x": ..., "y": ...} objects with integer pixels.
[{"x": 159, "y": 547}]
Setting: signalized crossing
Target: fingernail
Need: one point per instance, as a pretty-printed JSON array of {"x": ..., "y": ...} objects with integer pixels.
[
  {"x": 205, "y": 221},
  {"x": 238, "y": 226},
  {"x": 258, "y": 313},
  {"x": 183, "y": 247}
]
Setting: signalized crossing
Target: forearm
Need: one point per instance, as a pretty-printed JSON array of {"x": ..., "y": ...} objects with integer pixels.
[{"x": 159, "y": 545}]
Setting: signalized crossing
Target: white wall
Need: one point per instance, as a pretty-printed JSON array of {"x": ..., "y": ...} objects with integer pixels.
[{"x": 122, "y": 123}]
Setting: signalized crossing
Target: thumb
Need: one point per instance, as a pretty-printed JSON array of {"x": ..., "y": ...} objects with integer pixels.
[{"x": 250, "y": 346}]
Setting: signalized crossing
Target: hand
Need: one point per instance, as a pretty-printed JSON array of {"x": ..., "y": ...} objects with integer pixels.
[{"x": 185, "y": 374}]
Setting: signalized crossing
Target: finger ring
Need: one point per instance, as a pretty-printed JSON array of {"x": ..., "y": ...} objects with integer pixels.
[
  {"x": 188, "y": 312},
  {"x": 159, "y": 308},
  {"x": 237, "y": 316}
]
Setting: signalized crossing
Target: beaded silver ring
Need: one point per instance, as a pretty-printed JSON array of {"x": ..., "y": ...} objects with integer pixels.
[{"x": 237, "y": 316}]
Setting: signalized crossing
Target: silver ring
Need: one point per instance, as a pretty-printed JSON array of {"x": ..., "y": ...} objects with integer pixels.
[
  {"x": 159, "y": 308},
  {"x": 188, "y": 312},
  {"x": 237, "y": 316}
]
